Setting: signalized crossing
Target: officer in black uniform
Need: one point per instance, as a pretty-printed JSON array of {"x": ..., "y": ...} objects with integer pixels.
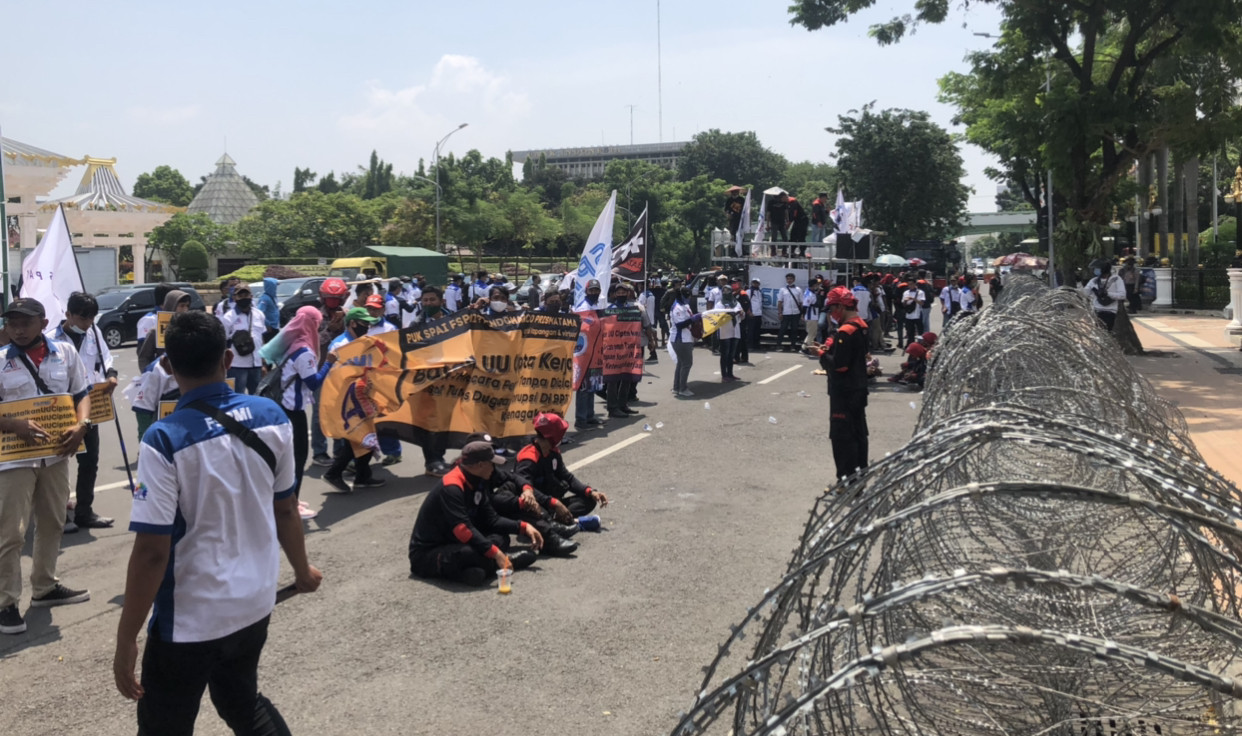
[{"x": 844, "y": 357}]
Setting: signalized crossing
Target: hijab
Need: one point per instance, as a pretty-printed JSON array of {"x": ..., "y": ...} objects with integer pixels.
[{"x": 301, "y": 332}]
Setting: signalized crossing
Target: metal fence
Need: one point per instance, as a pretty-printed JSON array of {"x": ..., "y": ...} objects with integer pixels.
[{"x": 1200, "y": 288}]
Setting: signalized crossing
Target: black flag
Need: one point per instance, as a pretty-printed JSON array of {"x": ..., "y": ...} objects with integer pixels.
[{"x": 629, "y": 259}]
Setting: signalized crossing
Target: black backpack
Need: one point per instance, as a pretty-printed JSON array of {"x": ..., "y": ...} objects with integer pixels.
[{"x": 270, "y": 386}]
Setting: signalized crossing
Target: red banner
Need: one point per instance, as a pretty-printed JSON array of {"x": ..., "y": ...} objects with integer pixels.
[{"x": 609, "y": 348}]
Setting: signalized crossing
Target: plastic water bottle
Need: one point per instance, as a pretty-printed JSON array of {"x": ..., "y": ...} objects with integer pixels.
[
  {"x": 771, "y": 420},
  {"x": 589, "y": 523},
  {"x": 659, "y": 425},
  {"x": 646, "y": 427}
]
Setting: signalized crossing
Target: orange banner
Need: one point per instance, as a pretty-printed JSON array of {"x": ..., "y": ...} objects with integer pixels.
[
  {"x": 469, "y": 372},
  {"x": 609, "y": 348}
]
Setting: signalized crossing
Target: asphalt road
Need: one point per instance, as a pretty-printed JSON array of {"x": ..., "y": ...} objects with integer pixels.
[{"x": 706, "y": 510}]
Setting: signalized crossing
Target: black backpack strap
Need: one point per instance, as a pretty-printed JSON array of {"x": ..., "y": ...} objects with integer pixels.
[{"x": 239, "y": 430}]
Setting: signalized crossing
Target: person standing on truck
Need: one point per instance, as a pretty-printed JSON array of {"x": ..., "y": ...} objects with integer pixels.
[
  {"x": 844, "y": 359},
  {"x": 778, "y": 224},
  {"x": 789, "y": 305},
  {"x": 819, "y": 218},
  {"x": 799, "y": 222},
  {"x": 733, "y": 210}
]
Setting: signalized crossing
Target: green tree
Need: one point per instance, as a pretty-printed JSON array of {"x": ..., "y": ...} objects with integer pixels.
[
  {"x": 737, "y": 158},
  {"x": 303, "y": 179},
  {"x": 171, "y": 237},
  {"x": 193, "y": 263},
  {"x": 906, "y": 169},
  {"x": 700, "y": 210},
  {"x": 308, "y": 224},
  {"x": 377, "y": 177},
  {"x": 1127, "y": 78},
  {"x": 412, "y": 223},
  {"x": 164, "y": 184}
]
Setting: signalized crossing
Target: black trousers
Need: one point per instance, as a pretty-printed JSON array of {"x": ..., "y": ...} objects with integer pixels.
[
  {"x": 174, "y": 676},
  {"x": 1134, "y": 298},
  {"x": 914, "y": 328},
  {"x": 450, "y": 561},
  {"x": 433, "y": 448},
  {"x": 301, "y": 445},
  {"x": 742, "y": 351},
  {"x": 756, "y": 327},
  {"x": 344, "y": 453},
  {"x": 88, "y": 471},
  {"x": 617, "y": 394},
  {"x": 505, "y": 501},
  {"x": 847, "y": 428},
  {"x": 1108, "y": 319},
  {"x": 791, "y": 323}
]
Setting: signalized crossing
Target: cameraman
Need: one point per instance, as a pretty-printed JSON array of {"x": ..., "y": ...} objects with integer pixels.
[{"x": 1106, "y": 290}]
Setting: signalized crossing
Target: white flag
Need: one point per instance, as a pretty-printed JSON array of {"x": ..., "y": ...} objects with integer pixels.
[
  {"x": 755, "y": 248},
  {"x": 50, "y": 273},
  {"x": 743, "y": 225},
  {"x": 596, "y": 261}
]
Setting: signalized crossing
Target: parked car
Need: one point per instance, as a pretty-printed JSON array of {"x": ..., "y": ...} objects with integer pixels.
[
  {"x": 546, "y": 281},
  {"x": 292, "y": 294},
  {"x": 120, "y": 310}
]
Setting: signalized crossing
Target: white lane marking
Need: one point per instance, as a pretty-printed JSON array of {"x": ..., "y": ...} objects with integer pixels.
[
  {"x": 605, "y": 453},
  {"x": 785, "y": 372},
  {"x": 110, "y": 486}
]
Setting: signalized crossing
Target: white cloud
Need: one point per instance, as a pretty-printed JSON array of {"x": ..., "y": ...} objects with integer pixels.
[
  {"x": 164, "y": 115},
  {"x": 458, "y": 88}
]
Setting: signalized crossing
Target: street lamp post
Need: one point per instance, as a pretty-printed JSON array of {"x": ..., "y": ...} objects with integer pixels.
[{"x": 436, "y": 157}]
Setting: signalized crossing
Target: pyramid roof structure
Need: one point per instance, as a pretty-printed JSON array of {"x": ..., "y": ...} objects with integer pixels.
[
  {"x": 101, "y": 189},
  {"x": 225, "y": 197}
]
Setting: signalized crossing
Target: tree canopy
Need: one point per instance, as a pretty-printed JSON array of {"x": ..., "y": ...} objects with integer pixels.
[
  {"x": 164, "y": 184},
  {"x": 906, "y": 169},
  {"x": 1124, "y": 78}
]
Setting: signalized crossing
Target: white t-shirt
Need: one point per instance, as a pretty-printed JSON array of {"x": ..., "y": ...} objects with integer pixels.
[
  {"x": 917, "y": 296},
  {"x": 810, "y": 312},
  {"x": 452, "y": 298},
  {"x": 296, "y": 394},
  {"x": 214, "y": 496},
  {"x": 1113, "y": 286},
  {"x": 680, "y": 313},
  {"x": 789, "y": 299},
  {"x": 253, "y": 322}
]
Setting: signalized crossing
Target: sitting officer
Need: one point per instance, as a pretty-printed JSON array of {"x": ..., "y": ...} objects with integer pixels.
[
  {"x": 540, "y": 464},
  {"x": 458, "y": 534}
]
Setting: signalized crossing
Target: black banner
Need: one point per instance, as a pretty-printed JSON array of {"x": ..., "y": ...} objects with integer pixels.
[{"x": 629, "y": 259}]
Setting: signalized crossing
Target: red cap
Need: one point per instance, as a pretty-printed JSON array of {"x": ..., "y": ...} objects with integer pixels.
[
  {"x": 551, "y": 427},
  {"x": 915, "y": 350},
  {"x": 375, "y": 300}
]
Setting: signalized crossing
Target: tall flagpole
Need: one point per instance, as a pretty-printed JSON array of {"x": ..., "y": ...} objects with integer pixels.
[
  {"x": 4, "y": 239},
  {"x": 659, "y": 76}
]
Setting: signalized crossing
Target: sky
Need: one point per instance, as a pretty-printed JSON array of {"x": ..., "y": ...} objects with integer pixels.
[{"x": 319, "y": 85}]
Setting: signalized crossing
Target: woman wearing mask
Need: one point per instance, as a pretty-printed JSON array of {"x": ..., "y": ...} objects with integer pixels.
[
  {"x": 294, "y": 351},
  {"x": 682, "y": 343}
]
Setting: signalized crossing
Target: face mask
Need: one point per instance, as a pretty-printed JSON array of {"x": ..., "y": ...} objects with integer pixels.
[
  {"x": 243, "y": 305},
  {"x": 500, "y": 306},
  {"x": 432, "y": 311},
  {"x": 358, "y": 330},
  {"x": 553, "y": 306},
  {"x": 1097, "y": 272},
  {"x": 592, "y": 296},
  {"x": 621, "y": 301},
  {"x": 75, "y": 329}
]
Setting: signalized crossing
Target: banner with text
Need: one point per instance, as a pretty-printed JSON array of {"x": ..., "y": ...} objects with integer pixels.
[
  {"x": 609, "y": 348},
  {"x": 469, "y": 372},
  {"x": 54, "y": 412},
  {"x": 102, "y": 410}
]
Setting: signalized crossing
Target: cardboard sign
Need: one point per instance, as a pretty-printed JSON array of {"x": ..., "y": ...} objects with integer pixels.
[
  {"x": 161, "y": 323},
  {"x": 168, "y": 407},
  {"x": 101, "y": 404},
  {"x": 54, "y": 413}
]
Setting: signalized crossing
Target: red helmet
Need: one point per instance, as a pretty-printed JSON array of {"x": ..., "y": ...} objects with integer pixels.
[
  {"x": 915, "y": 350},
  {"x": 334, "y": 287},
  {"x": 551, "y": 427},
  {"x": 843, "y": 296}
]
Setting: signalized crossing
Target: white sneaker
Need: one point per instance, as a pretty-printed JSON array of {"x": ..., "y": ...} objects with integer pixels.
[{"x": 306, "y": 512}]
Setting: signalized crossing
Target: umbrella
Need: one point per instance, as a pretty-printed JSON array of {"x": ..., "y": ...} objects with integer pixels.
[
  {"x": 917, "y": 262},
  {"x": 1021, "y": 260},
  {"x": 890, "y": 260},
  {"x": 774, "y": 191}
]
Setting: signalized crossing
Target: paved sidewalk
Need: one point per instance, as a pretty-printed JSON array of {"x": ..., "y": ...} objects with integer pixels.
[{"x": 1200, "y": 372}]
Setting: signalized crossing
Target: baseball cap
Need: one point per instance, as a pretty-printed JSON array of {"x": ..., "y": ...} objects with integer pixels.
[
  {"x": 593, "y": 284},
  {"x": 375, "y": 300},
  {"x": 551, "y": 427},
  {"x": 30, "y": 307},
  {"x": 479, "y": 448},
  {"x": 361, "y": 315}
]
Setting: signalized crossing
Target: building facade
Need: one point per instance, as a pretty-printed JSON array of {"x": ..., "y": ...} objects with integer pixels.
[{"x": 590, "y": 162}]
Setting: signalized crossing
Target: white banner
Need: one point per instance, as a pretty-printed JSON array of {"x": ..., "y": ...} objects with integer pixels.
[
  {"x": 743, "y": 225},
  {"x": 596, "y": 261},
  {"x": 50, "y": 273},
  {"x": 772, "y": 281},
  {"x": 756, "y": 249}
]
